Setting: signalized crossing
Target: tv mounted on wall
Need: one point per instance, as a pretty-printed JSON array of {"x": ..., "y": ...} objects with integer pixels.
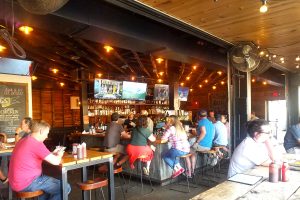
[
  {"x": 134, "y": 90},
  {"x": 107, "y": 89}
]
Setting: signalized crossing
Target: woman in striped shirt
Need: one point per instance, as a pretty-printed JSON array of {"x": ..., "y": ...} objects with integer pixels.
[{"x": 178, "y": 139}]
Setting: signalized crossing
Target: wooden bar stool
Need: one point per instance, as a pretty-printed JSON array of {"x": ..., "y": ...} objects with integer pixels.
[
  {"x": 118, "y": 171},
  {"x": 185, "y": 169},
  {"x": 29, "y": 195},
  {"x": 206, "y": 161},
  {"x": 139, "y": 168},
  {"x": 90, "y": 185}
]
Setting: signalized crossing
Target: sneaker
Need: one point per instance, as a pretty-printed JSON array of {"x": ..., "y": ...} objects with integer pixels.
[
  {"x": 186, "y": 175},
  {"x": 177, "y": 173},
  {"x": 146, "y": 171}
]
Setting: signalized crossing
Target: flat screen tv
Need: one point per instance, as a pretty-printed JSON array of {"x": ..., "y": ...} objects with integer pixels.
[
  {"x": 134, "y": 90},
  {"x": 107, "y": 89},
  {"x": 161, "y": 92},
  {"x": 183, "y": 93}
]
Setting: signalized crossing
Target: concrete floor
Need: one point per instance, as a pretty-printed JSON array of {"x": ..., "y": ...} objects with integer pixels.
[{"x": 202, "y": 183}]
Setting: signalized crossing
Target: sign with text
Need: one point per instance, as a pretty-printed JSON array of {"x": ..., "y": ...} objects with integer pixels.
[{"x": 13, "y": 106}]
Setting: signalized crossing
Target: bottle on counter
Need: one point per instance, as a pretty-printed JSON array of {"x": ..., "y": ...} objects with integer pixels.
[
  {"x": 83, "y": 148},
  {"x": 284, "y": 172},
  {"x": 273, "y": 172},
  {"x": 79, "y": 152}
]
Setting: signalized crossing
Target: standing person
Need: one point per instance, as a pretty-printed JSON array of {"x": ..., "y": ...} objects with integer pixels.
[
  {"x": 24, "y": 130},
  {"x": 149, "y": 120},
  {"x": 292, "y": 138},
  {"x": 129, "y": 122},
  {"x": 112, "y": 139},
  {"x": 25, "y": 169},
  {"x": 177, "y": 136},
  {"x": 138, "y": 145},
  {"x": 205, "y": 136},
  {"x": 221, "y": 132},
  {"x": 255, "y": 149},
  {"x": 211, "y": 116}
]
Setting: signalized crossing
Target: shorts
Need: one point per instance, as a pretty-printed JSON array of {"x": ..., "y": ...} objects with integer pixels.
[{"x": 117, "y": 149}]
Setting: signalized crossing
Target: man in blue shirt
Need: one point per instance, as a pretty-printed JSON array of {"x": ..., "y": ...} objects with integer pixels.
[
  {"x": 221, "y": 132},
  {"x": 205, "y": 136},
  {"x": 292, "y": 138}
]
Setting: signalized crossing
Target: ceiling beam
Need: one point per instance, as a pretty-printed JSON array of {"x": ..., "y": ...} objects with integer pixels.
[
  {"x": 137, "y": 57},
  {"x": 115, "y": 52}
]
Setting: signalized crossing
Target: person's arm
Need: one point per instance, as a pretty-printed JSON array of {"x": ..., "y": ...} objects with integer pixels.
[
  {"x": 54, "y": 158},
  {"x": 125, "y": 134},
  {"x": 166, "y": 135},
  {"x": 152, "y": 138},
  {"x": 202, "y": 134},
  {"x": 296, "y": 134}
]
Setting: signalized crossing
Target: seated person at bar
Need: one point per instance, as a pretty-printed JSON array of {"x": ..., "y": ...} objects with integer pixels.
[
  {"x": 221, "y": 131},
  {"x": 177, "y": 136},
  {"x": 205, "y": 136},
  {"x": 150, "y": 124},
  {"x": 3, "y": 178},
  {"x": 25, "y": 169},
  {"x": 138, "y": 145},
  {"x": 25, "y": 128},
  {"x": 255, "y": 149},
  {"x": 292, "y": 138},
  {"x": 112, "y": 138},
  {"x": 129, "y": 122}
]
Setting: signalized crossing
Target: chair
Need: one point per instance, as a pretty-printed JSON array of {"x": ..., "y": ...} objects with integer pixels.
[
  {"x": 139, "y": 168},
  {"x": 90, "y": 185},
  {"x": 118, "y": 171},
  {"x": 29, "y": 195},
  {"x": 3, "y": 137},
  {"x": 185, "y": 169}
]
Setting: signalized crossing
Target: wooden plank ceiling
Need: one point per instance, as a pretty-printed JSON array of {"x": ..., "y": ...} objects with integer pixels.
[{"x": 240, "y": 20}]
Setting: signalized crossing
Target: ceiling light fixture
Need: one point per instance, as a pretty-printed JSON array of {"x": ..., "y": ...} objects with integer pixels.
[
  {"x": 274, "y": 56},
  {"x": 99, "y": 75},
  {"x": 188, "y": 78},
  {"x": 214, "y": 87},
  {"x": 264, "y": 7},
  {"x": 200, "y": 86},
  {"x": 182, "y": 84},
  {"x": 297, "y": 66},
  {"x": 159, "y": 80},
  {"x": 132, "y": 78},
  {"x": 2, "y": 48},
  {"x": 195, "y": 67},
  {"x": 264, "y": 82},
  {"x": 206, "y": 81},
  {"x": 62, "y": 84},
  {"x": 298, "y": 58},
  {"x": 54, "y": 70},
  {"x": 161, "y": 73},
  {"x": 191, "y": 89},
  {"x": 33, "y": 78},
  {"x": 108, "y": 48},
  {"x": 219, "y": 72},
  {"x": 159, "y": 60},
  {"x": 26, "y": 29},
  {"x": 222, "y": 82}
]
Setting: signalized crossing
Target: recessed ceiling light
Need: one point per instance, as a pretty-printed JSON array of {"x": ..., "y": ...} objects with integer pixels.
[{"x": 26, "y": 29}]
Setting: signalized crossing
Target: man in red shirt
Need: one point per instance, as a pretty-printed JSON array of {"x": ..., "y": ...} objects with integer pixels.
[{"x": 25, "y": 169}]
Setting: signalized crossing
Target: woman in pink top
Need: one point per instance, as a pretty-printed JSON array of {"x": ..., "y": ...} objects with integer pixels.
[{"x": 177, "y": 136}]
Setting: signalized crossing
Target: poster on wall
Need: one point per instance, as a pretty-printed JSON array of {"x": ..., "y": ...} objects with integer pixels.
[
  {"x": 161, "y": 92},
  {"x": 13, "y": 106}
]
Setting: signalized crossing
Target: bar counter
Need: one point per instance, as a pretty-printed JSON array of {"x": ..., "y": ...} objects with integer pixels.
[{"x": 160, "y": 172}]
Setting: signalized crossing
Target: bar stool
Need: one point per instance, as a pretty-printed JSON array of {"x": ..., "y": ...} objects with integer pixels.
[
  {"x": 90, "y": 185},
  {"x": 206, "y": 154},
  {"x": 139, "y": 168},
  {"x": 29, "y": 195},
  {"x": 118, "y": 171},
  {"x": 185, "y": 169}
]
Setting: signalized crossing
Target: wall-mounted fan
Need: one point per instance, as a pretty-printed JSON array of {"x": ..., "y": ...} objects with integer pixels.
[{"x": 244, "y": 56}]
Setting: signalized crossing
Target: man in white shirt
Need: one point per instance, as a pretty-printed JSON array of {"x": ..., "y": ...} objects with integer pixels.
[
  {"x": 255, "y": 149},
  {"x": 221, "y": 132}
]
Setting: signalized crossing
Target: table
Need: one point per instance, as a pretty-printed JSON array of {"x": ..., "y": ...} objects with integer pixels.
[
  {"x": 263, "y": 190},
  {"x": 69, "y": 163}
]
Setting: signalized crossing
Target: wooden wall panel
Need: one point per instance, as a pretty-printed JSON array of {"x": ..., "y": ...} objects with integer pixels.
[
  {"x": 53, "y": 106},
  {"x": 36, "y": 105},
  {"x": 58, "y": 111}
]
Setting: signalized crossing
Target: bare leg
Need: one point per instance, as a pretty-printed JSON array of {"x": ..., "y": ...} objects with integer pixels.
[
  {"x": 124, "y": 159},
  {"x": 2, "y": 177},
  {"x": 116, "y": 158},
  {"x": 148, "y": 164},
  {"x": 188, "y": 164},
  {"x": 193, "y": 164}
]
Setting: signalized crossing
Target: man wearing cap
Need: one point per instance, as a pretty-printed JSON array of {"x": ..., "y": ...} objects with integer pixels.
[{"x": 205, "y": 136}]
